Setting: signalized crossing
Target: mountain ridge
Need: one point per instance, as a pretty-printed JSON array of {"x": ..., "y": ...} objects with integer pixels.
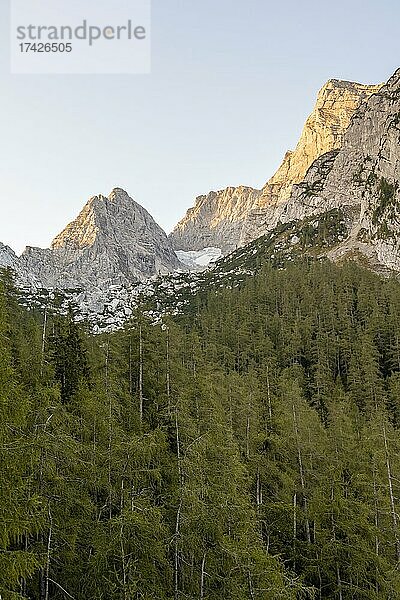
[
  {"x": 112, "y": 241},
  {"x": 114, "y": 250},
  {"x": 229, "y": 218}
]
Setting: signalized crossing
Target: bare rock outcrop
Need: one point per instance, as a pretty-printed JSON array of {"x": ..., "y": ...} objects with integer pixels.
[
  {"x": 235, "y": 216},
  {"x": 113, "y": 241},
  {"x": 364, "y": 176}
]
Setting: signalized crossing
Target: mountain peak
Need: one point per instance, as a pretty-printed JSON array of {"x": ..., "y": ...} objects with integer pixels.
[
  {"x": 350, "y": 85},
  {"x": 101, "y": 215},
  {"x": 118, "y": 193},
  {"x": 113, "y": 240},
  {"x": 323, "y": 131},
  {"x": 231, "y": 217}
]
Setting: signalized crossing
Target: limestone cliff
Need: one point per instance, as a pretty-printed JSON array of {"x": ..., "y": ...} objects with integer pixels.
[
  {"x": 361, "y": 180},
  {"x": 234, "y": 216},
  {"x": 215, "y": 221},
  {"x": 114, "y": 240},
  {"x": 9, "y": 260},
  {"x": 363, "y": 177}
]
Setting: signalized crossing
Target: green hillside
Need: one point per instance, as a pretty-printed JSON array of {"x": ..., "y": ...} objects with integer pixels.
[{"x": 247, "y": 449}]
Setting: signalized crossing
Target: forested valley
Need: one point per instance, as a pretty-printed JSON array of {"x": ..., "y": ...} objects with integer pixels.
[{"x": 248, "y": 449}]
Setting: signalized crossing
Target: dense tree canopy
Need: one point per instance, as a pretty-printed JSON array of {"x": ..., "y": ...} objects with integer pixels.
[{"x": 249, "y": 449}]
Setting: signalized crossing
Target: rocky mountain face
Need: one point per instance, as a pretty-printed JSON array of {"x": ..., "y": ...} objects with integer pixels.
[
  {"x": 8, "y": 258},
  {"x": 232, "y": 217},
  {"x": 113, "y": 241},
  {"x": 361, "y": 179},
  {"x": 215, "y": 221},
  {"x": 346, "y": 205}
]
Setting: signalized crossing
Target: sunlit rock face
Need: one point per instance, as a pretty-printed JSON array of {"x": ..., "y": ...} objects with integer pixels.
[
  {"x": 234, "y": 216},
  {"x": 113, "y": 240},
  {"x": 362, "y": 178},
  {"x": 324, "y": 130},
  {"x": 215, "y": 221}
]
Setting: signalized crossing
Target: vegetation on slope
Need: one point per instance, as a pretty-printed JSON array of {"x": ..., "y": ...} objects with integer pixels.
[{"x": 249, "y": 449}]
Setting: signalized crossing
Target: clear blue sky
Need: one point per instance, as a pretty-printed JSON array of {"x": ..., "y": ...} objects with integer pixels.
[{"x": 231, "y": 85}]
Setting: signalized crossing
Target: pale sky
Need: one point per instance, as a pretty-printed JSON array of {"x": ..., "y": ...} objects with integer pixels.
[{"x": 231, "y": 85}]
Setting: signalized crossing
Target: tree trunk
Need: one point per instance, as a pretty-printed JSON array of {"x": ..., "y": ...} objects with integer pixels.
[
  {"x": 202, "y": 577},
  {"x": 259, "y": 494},
  {"x": 178, "y": 446},
  {"x": 168, "y": 375},
  {"x": 176, "y": 553},
  {"x": 391, "y": 495},
  {"x": 301, "y": 473},
  {"x": 121, "y": 537},
  {"x": 248, "y": 434},
  {"x": 268, "y": 420},
  {"x": 110, "y": 430},
  {"x": 294, "y": 529},
  {"x": 251, "y": 588},
  {"x": 339, "y": 582},
  {"x": 43, "y": 342},
  {"x": 47, "y": 571},
  {"x": 376, "y": 515},
  {"x": 42, "y": 585},
  {"x": 130, "y": 366},
  {"x": 140, "y": 375},
  {"x": 178, "y": 514}
]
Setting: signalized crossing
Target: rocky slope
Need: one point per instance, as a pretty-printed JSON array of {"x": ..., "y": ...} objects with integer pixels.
[
  {"x": 182, "y": 292},
  {"x": 8, "y": 258},
  {"x": 215, "y": 221},
  {"x": 362, "y": 177},
  {"x": 361, "y": 180},
  {"x": 113, "y": 241},
  {"x": 347, "y": 205},
  {"x": 234, "y": 216}
]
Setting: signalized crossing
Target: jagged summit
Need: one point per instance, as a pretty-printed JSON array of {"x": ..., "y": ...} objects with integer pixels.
[
  {"x": 113, "y": 240},
  {"x": 361, "y": 180},
  {"x": 114, "y": 217},
  {"x": 234, "y": 216},
  {"x": 8, "y": 258},
  {"x": 82, "y": 232},
  {"x": 346, "y": 165},
  {"x": 350, "y": 85}
]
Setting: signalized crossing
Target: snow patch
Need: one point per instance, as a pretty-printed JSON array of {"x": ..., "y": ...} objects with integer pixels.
[{"x": 199, "y": 259}]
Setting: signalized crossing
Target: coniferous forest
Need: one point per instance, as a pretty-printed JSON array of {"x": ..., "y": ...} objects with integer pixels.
[{"x": 246, "y": 450}]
